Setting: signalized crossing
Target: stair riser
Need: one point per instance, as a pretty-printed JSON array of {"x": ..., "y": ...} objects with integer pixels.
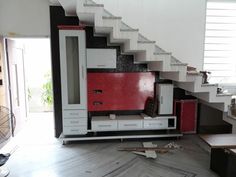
[
  {"x": 196, "y": 89},
  {"x": 85, "y": 14},
  {"x": 160, "y": 65},
  {"x": 175, "y": 76},
  {"x": 179, "y": 68},
  {"x": 132, "y": 37},
  {"x": 211, "y": 97},
  {"x": 163, "y": 57},
  {"x": 115, "y": 24}
]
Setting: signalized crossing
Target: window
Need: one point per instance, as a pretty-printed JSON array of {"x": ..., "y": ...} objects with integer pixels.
[{"x": 220, "y": 41}]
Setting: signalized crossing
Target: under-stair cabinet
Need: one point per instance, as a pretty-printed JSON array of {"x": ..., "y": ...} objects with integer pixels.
[{"x": 73, "y": 81}]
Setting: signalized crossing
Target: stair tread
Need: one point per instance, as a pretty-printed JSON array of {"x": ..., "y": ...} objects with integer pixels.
[
  {"x": 179, "y": 64},
  {"x": 224, "y": 94},
  {"x": 162, "y": 53},
  {"x": 129, "y": 30},
  {"x": 146, "y": 42},
  {"x": 93, "y": 5},
  {"x": 193, "y": 73},
  {"x": 105, "y": 17},
  {"x": 209, "y": 85}
]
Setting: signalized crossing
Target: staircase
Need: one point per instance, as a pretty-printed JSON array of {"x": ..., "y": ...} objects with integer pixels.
[{"x": 146, "y": 51}]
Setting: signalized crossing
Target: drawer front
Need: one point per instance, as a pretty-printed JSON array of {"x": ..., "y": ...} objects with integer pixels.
[
  {"x": 80, "y": 130},
  {"x": 155, "y": 124},
  {"x": 74, "y": 113},
  {"x": 104, "y": 125},
  {"x": 74, "y": 122},
  {"x": 130, "y": 125}
]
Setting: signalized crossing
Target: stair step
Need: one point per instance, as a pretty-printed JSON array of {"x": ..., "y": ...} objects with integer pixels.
[
  {"x": 224, "y": 95},
  {"x": 146, "y": 42},
  {"x": 128, "y": 30},
  {"x": 179, "y": 64},
  {"x": 93, "y": 5},
  {"x": 193, "y": 73},
  {"x": 112, "y": 18},
  {"x": 162, "y": 53},
  {"x": 209, "y": 85}
]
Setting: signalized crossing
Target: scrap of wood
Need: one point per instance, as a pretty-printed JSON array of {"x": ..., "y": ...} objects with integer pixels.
[
  {"x": 149, "y": 150},
  {"x": 150, "y": 153},
  {"x": 144, "y": 149}
]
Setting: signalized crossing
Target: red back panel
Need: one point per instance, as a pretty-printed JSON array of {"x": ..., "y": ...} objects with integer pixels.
[
  {"x": 187, "y": 115},
  {"x": 119, "y": 91}
]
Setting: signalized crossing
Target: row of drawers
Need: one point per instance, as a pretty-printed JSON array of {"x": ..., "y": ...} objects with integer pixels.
[
  {"x": 75, "y": 122},
  {"x": 103, "y": 123}
]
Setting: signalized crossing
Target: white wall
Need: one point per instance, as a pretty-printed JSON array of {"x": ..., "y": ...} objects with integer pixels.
[
  {"x": 24, "y": 18},
  {"x": 177, "y": 26}
]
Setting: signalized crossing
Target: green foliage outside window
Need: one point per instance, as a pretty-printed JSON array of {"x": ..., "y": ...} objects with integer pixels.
[{"x": 47, "y": 95}]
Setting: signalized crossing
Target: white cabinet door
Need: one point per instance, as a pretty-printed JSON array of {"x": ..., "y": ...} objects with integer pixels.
[
  {"x": 165, "y": 98},
  {"x": 101, "y": 58},
  {"x": 73, "y": 69}
]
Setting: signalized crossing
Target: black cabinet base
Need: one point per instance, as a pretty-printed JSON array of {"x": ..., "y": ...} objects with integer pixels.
[{"x": 223, "y": 162}]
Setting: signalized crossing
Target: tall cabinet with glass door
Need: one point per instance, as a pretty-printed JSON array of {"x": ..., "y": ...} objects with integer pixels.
[{"x": 73, "y": 81}]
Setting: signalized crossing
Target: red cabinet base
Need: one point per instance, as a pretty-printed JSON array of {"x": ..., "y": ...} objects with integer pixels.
[{"x": 186, "y": 112}]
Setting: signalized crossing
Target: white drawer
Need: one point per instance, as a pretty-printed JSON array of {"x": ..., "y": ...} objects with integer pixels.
[
  {"x": 75, "y": 113},
  {"x": 80, "y": 130},
  {"x": 73, "y": 122},
  {"x": 155, "y": 124},
  {"x": 130, "y": 124},
  {"x": 104, "y": 125}
]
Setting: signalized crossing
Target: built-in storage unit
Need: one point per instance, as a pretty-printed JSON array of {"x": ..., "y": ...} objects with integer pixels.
[
  {"x": 73, "y": 81},
  {"x": 164, "y": 95},
  {"x": 101, "y": 58},
  {"x": 106, "y": 92},
  {"x": 133, "y": 122}
]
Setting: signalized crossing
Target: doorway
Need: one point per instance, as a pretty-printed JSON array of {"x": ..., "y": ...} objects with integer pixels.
[{"x": 30, "y": 85}]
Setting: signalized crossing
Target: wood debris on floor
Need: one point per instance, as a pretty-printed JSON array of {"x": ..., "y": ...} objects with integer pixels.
[{"x": 150, "y": 150}]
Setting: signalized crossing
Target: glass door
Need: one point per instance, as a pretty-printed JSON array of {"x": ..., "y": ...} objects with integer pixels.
[{"x": 73, "y": 76}]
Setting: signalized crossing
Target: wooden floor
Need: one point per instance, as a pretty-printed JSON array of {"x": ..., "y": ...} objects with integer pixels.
[{"x": 40, "y": 155}]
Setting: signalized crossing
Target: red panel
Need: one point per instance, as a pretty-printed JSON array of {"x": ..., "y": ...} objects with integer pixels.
[
  {"x": 119, "y": 91},
  {"x": 187, "y": 115}
]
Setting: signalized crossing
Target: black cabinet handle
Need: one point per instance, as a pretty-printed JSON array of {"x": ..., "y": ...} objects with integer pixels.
[
  {"x": 95, "y": 103},
  {"x": 97, "y": 91}
]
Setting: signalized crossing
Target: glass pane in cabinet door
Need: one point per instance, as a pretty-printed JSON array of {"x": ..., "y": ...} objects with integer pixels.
[{"x": 73, "y": 74}]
